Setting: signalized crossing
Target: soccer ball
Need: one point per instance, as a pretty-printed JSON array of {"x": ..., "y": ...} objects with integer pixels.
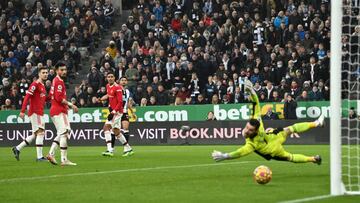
[{"x": 262, "y": 174}]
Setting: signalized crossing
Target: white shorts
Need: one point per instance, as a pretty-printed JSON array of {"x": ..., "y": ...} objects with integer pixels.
[
  {"x": 115, "y": 122},
  {"x": 37, "y": 122},
  {"x": 61, "y": 123}
]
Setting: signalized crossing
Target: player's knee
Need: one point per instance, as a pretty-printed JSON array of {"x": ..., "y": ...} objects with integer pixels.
[
  {"x": 40, "y": 132},
  {"x": 106, "y": 128},
  {"x": 116, "y": 131},
  {"x": 288, "y": 130},
  {"x": 64, "y": 135},
  {"x": 125, "y": 125}
]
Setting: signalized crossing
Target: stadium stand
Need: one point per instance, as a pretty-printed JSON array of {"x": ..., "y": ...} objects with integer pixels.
[{"x": 176, "y": 52}]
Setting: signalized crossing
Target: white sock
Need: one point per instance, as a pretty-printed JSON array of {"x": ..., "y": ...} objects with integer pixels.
[
  {"x": 124, "y": 143},
  {"x": 39, "y": 145},
  {"x": 108, "y": 141},
  {"x": 54, "y": 145},
  {"x": 63, "y": 147},
  {"x": 26, "y": 142}
]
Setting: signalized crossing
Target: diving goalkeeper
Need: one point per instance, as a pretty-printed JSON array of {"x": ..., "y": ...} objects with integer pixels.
[{"x": 268, "y": 144}]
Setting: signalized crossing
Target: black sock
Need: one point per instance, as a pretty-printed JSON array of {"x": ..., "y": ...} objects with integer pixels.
[
  {"x": 126, "y": 135},
  {"x": 112, "y": 140}
]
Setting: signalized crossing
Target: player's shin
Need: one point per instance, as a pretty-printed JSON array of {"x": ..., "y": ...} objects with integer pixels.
[
  {"x": 54, "y": 145},
  {"x": 302, "y": 127},
  {"x": 299, "y": 158},
  {"x": 126, "y": 134},
  {"x": 63, "y": 147},
  {"x": 108, "y": 140},
  {"x": 27, "y": 141},
  {"x": 113, "y": 138},
  {"x": 124, "y": 143},
  {"x": 39, "y": 144}
]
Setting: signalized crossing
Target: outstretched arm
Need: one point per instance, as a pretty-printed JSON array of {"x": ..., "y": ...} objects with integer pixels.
[
  {"x": 256, "y": 103},
  {"x": 254, "y": 99},
  {"x": 242, "y": 151}
]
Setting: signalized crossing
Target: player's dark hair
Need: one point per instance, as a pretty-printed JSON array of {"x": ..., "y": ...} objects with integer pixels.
[
  {"x": 42, "y": 68},
  {"x": 110, "y": 73},
  {"x": 255, "y": 123},
  {"x": 59, "y": 64},
  {"x": 123, "y": 77}
]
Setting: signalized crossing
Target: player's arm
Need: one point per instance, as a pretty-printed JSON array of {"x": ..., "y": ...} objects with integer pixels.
[
  {"x": 104, "y": 98},
  {"x": 28, "y": 95},
  {"x": 59, "y": 96},
  {"x": 119, "y": 107},
  {"x": 256, "y": 103},
  {"x": 254, "y": 99},
  {"x": 242, "y": 151}
]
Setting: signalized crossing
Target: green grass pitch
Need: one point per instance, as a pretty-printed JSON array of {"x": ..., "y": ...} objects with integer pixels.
[{"x": 161, "y": 174}]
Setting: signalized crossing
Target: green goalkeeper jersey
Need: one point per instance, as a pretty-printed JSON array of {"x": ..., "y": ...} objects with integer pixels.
[{"x": 262, "y": 143}]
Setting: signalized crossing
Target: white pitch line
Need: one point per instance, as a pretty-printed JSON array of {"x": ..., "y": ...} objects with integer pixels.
[
  {"x": 308, "y": 199},
  {"x": 118, "y": 171}
]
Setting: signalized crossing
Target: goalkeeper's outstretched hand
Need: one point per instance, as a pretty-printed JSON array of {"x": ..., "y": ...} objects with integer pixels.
[
  {"x": 219, "y": 156},
  {"x": 249, "y": 86}
]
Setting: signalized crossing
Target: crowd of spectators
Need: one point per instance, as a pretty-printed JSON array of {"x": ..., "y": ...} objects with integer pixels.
[
  {"x": 200, "y": 52},
  {"x": 43, "y": 34}
]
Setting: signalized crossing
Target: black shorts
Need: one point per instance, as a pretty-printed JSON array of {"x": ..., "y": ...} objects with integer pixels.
[{"x": 125, "y": 117}]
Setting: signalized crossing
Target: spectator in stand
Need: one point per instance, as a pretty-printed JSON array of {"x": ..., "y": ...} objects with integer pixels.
[
  {"x": 211, "y": 116},
  {"x": 95, "y": 79},
  {"x": 286, "y": 46},
  {"x": 352, "y": 113},
  {"x": 315, "y": 94},
  {"x": 270, "y": 115},
  {"x": 7, "y": 105},
  {"x": 162, "y": 96},
  {"x": 290, "y": 108},
  {"x": 200, "y": 99},
  {"x": 303, "y": 97}
]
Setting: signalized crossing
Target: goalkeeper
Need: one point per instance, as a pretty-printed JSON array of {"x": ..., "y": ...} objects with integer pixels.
[{"x": 268, "y": 144}]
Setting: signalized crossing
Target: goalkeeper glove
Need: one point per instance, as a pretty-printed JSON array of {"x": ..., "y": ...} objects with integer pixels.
[
  {"x": 249, "y": 87},
  {"x": 219, "y": 156}
]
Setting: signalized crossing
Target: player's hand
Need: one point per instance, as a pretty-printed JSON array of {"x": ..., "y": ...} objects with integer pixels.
[
  {"x": 22, "y": 115},
  {"x": 248, "y": 86},
  {"x": 111, "y": 115},
  {"x": 219, "y": 156},
  {"x": 75, "y": 108}
]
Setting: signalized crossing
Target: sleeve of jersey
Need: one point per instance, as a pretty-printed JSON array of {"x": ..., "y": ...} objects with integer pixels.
[
  {"x": 242, "y": 151},
  {"x": 119, "y": 106},
  {"x": 29, "y": 93},
  {"x": 257, "y": 111},
  {"x": 59, "y": 94}
]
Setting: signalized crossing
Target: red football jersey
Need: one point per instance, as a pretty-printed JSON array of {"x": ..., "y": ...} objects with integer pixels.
[
  {"x": 115, "y": 97},
  {"x": 57, "y": 94},
  {"x": 36, "y": 96}
]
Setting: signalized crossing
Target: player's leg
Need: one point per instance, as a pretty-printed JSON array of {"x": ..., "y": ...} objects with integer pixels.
[
  {"x": 39, "y": 141},
  {"x": 124, "y": 130},
  {"x": 116, "y": 128},
  {"x": 282, "y": 155},
  {"x": 125, "y": 126},
  {"x": 64, "y": 136},
  {"x": 113, "y": 139},
  {"x": 107, "y": 133},
  {"x": 56, "y": 142},
  {"x": 302, "y": 127},
  {"x": 28, "y": 140},
  {"x": 127, "y": 148}
]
